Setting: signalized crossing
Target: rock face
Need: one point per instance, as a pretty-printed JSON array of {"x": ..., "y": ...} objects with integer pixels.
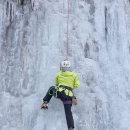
[{"x": 33, "y": 41}]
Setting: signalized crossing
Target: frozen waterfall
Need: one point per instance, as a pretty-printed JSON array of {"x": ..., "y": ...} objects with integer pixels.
[{"x": 33, "y": 43}]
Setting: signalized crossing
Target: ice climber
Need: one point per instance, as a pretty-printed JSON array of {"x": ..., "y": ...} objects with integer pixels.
[{"x": 66, "y": 81}]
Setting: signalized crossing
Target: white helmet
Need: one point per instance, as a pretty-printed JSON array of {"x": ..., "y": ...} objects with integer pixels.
[{"x": 65, "y": 65}]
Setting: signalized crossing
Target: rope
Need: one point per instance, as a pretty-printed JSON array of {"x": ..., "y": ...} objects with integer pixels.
[
  {"x": 54, "y": 91},
  {"x": 67, "y": 46}
]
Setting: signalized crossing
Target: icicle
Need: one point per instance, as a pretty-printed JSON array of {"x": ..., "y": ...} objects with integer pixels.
[
  {"x": 32, "y": 4},
  {"x": 10, "y": 10},
  {"x": 19, "y": 2},
  {"x": 25, "y": 2}
]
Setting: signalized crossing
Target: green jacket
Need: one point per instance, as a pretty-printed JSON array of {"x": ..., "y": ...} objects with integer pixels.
[{"x": 69, "y": 79}]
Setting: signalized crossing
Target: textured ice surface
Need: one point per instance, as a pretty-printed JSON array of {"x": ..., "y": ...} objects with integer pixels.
[{"x": 32, "y": 44}]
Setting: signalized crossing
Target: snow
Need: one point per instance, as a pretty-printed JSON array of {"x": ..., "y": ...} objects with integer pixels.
[{"x": 32, "y": 45}]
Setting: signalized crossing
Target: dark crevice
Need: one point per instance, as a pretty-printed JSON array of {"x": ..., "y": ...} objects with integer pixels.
[
  {"x": 86, "y": 51},
  {"x": 22, "y": 2},
  {"x": 7, "y": 8},
  {"x": 27, "y": 2},
  {"x": 92, "y": 10},
  {"x": 106, "y": 28},
  {"x": 96, "y": 48},
  {"x": 11, "y": 12}
]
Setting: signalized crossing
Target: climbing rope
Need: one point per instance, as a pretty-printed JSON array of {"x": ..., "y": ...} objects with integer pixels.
[
  {"x": 53, "y": 90},
  {"x": 67, "y": 45}
]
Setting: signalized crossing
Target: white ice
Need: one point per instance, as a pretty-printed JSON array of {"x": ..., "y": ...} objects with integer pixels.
[{"x": 32, "y": 45}]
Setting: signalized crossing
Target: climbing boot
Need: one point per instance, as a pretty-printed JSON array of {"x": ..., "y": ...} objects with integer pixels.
[{"x": 44, "y": 105}]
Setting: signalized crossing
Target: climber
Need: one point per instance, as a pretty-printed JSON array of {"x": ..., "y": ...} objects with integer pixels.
[{"x": 66, "y": 81}]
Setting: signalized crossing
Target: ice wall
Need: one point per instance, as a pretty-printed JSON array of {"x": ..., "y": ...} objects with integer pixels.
[{"x": 33, "y": 43}]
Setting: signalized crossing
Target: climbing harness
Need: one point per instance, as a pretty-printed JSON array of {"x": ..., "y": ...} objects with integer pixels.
[
  {"x": 53, "y": 92},
  {"x": 66, "y": 87}
]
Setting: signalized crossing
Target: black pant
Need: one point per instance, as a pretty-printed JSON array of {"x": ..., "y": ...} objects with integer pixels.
[{"x": 67, "y": 107}]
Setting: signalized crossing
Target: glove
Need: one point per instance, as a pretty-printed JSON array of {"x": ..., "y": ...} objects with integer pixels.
[{"x": 74, "y": 100}]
